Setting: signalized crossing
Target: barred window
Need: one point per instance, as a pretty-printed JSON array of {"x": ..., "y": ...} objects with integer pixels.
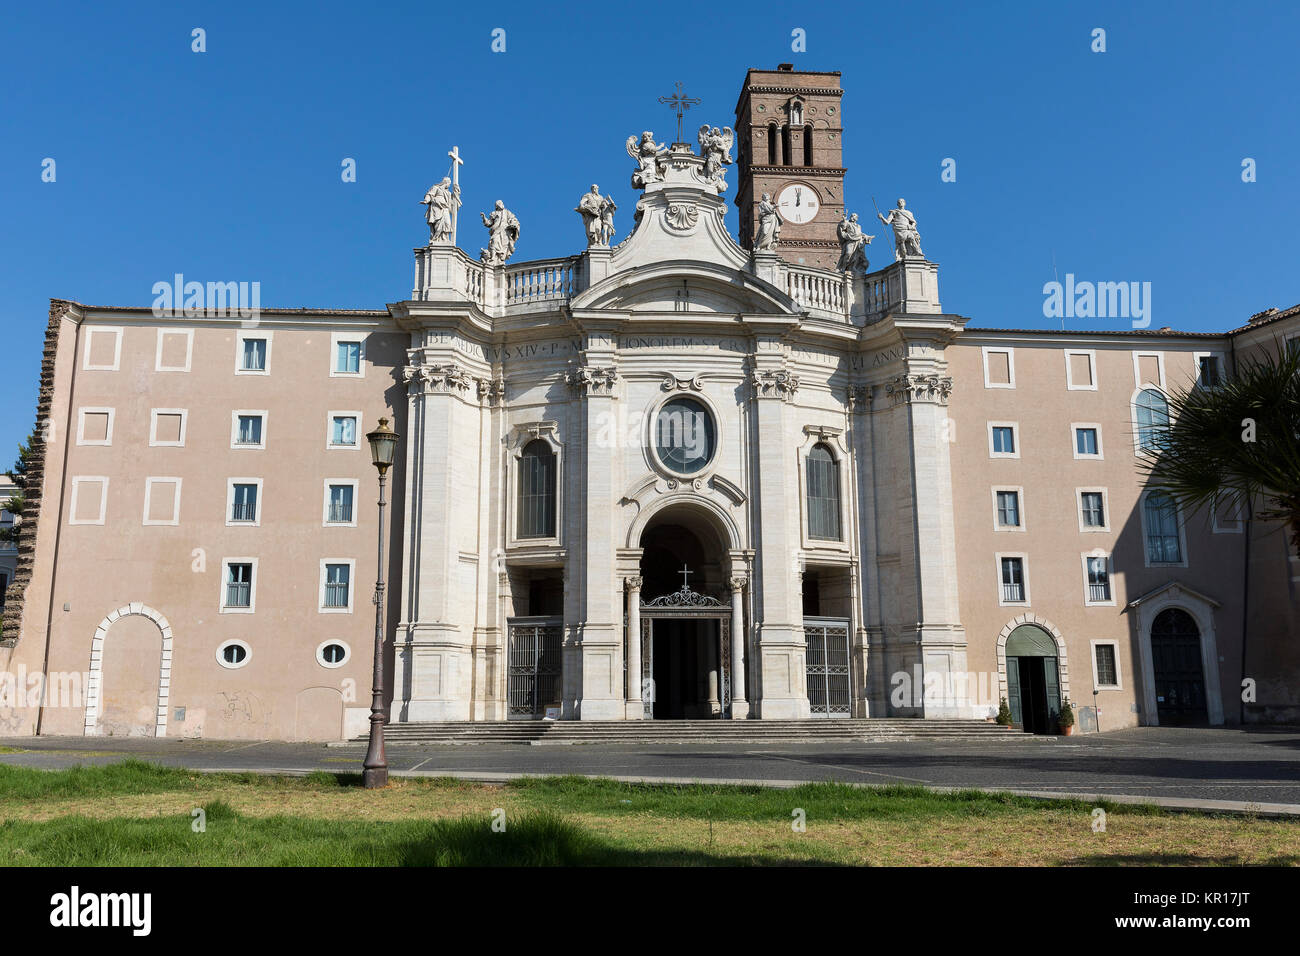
[
  {"x": 1107, "y": 674},
  {"x": 537, "y": 491},
  {"x": 823, "y": 495}
]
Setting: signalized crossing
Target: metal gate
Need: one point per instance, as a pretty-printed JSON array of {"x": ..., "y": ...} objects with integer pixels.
[
  {"x": 688, "y": 604},
  {"x": 827, "y": 667},
  {"x": 533, "y": 668}
]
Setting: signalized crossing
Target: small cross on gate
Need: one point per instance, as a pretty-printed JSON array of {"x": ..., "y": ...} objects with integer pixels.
[
  {"x": 685, "y": 574},
  {"x": 680, "y": 102}
]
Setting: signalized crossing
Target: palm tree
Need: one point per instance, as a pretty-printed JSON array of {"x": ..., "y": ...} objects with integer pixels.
[{"x": 1236, "y": 440}]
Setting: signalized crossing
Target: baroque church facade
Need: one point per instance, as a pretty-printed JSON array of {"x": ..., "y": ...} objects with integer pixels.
[{"x": 673, "y": 476}]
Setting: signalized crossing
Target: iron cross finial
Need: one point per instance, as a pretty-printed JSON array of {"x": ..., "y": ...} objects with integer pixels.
[
  {"x": 680, "y": 102},
  {"x": 685, "y": 574}
]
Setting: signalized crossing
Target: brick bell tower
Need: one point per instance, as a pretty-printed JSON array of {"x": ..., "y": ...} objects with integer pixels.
[{"x": 789, "y": 135}]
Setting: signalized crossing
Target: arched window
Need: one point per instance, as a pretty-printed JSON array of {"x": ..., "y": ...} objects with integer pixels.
[
  {"x": 807, "y": 145},
  {"x": 823, "y": 495},
  {"x": 771, "y": 144},
  {"x": 1163, "y": 545},
  {"x": 537, "y": 491},
  {"x": 1152, "y": 419},
  {"x": 785, "y": 145}
]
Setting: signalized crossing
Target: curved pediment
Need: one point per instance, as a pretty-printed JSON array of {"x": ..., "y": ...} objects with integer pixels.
[{"x": 686, "y": 286}]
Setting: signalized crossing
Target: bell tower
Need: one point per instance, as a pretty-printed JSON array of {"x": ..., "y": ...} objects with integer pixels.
[{"x": 789, "y": 135}]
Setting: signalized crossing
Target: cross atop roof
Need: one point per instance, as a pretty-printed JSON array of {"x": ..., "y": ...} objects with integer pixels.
[{"x": 680, "y": 103}]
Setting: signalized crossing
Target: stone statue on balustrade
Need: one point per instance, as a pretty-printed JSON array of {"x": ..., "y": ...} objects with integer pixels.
[
  {"x": 769, "y": 225},
  {"x": 503, "y": 233},
  {"x": 907, "y": 241},
  {"x": 646, "y": 153},
  {"x": 715, "y": 147},
  {"x": 597, "y": 213},
  {"x": 853, "y": 245},
  {"x": 441, "y": 202}
]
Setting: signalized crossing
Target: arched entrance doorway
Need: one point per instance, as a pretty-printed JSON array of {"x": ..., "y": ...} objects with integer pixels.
[
  {"x": 1176, "y": 663},
  {"x": 1033, "y": 679},
  {"x": 685, "y": 619}
]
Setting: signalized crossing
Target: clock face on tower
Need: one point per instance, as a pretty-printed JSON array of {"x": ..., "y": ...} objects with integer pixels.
[{"x": 798, "y": 203}]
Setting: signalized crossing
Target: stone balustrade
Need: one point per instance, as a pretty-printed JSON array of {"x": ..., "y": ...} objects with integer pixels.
[{"x": 447, "y": 272}]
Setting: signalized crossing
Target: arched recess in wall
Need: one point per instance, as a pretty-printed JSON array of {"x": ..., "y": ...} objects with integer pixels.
[{"x": 95, "y": 680}]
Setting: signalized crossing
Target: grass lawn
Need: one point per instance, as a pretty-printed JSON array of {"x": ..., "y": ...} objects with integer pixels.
[{"x": 135, "y": 813}]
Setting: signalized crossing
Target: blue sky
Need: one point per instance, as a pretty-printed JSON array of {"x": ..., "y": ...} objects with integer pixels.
[{"x": 225, "y": 165}]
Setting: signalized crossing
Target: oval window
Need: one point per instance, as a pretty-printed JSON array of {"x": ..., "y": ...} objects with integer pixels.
[{"x": 685, "y": 437}]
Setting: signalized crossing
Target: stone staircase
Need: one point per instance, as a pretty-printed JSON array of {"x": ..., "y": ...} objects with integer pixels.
[{"x": 561, "y": 732}]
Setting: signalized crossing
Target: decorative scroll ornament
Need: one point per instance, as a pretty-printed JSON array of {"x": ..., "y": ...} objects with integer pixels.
[
  {"x": 684, "y": 597},
  {"x": 591, "y": 380},
  {"x": 672, "y": 383},
  {"x": 859, "y": 399},
  {"x": 437, "y": 378},
  {"x": 491, "y": 391},
  {"x": 779, "y": 384},
  {"x": 907, "y": 389},
  {"x": 682, "y": 215}
]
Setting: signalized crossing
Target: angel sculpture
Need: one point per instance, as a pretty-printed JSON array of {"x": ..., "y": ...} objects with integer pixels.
[
  {"x": 715, "y": 147},
  {"x": 646, "y": 153}
]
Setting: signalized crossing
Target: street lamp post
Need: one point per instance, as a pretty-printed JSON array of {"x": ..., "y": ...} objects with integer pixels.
[{"x": 383, "y": 445}]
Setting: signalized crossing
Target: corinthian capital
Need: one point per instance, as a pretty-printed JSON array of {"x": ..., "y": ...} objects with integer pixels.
[
  {"x": 909, "y": 389},
  {"x": 591, "y": 380}
]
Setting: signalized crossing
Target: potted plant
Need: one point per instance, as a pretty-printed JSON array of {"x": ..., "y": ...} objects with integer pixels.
[
  {"x": 1066, "y": 718},
  {"x": 1004, "y": 714}
]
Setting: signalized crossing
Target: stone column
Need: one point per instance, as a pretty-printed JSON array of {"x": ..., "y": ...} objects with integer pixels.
[
  {"x": 713, "y": 659},
  {"x": 778, "y": 607},
  {"x": 598, "y": 650},
  {"x": 635, "y": 705},
  {"x": 739, "y": 705}
]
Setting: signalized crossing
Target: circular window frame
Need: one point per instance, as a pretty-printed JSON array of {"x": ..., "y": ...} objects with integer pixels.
[
  {"x": 320, "y": 653},
  {"x": 248, "y": 654},
  {"x": 653, "y": 447}
]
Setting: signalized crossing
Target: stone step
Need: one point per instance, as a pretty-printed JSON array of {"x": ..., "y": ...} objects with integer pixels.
[{"x": 683, "y": 731}]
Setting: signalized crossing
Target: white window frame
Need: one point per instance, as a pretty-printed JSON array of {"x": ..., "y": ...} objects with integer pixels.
[
  {"x": 248, "y": 653},
  {"x": 329, "y": 430},
  {"x": 352, "y": 585},
  {"x": 189, "y": 350},
  {"x": 325, "y": 508},
  {"x": 77, "y": 482},
  {"x": 239, "y": 352},
  {"x": 320, "y": 653},
  {"x": 234, "y": 427},
  {"x": 1182, "y": 535},
  {"x": 176, "y": 501},
  {"x": 1137, "y": 371},
  {"x": 1196, "y": 367},
  {"x": 1105, "y": 508},
  {"x": 184, "y": 413},
  {"x": 81, "y": 424},
  {"x": 1217, "y": 528},
  {"x": 1024, "y": 573},
  {"x": 91, "y": 332},
  {"x": 1074, "y": 441},
  {"x": 1015, "y": 437},
  {"x": 1119, "y": 674},
  {"x": 1069, "y": 374},
  {"x": 1011, "y": 365},
  {"x": 335, "y": 339},
  {"x": 1020, "y": 508},
  {"x": 252, "y": 587},
  {"x": 230, "y": 502},
  {"x": 1110, "y": 578}
]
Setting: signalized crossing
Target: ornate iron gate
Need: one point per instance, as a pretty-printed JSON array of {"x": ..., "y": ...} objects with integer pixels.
[
  {"x": 685, "y": 603},
  {"x": 827, "y": 667},
  {"x": 533, "y": 668}
]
